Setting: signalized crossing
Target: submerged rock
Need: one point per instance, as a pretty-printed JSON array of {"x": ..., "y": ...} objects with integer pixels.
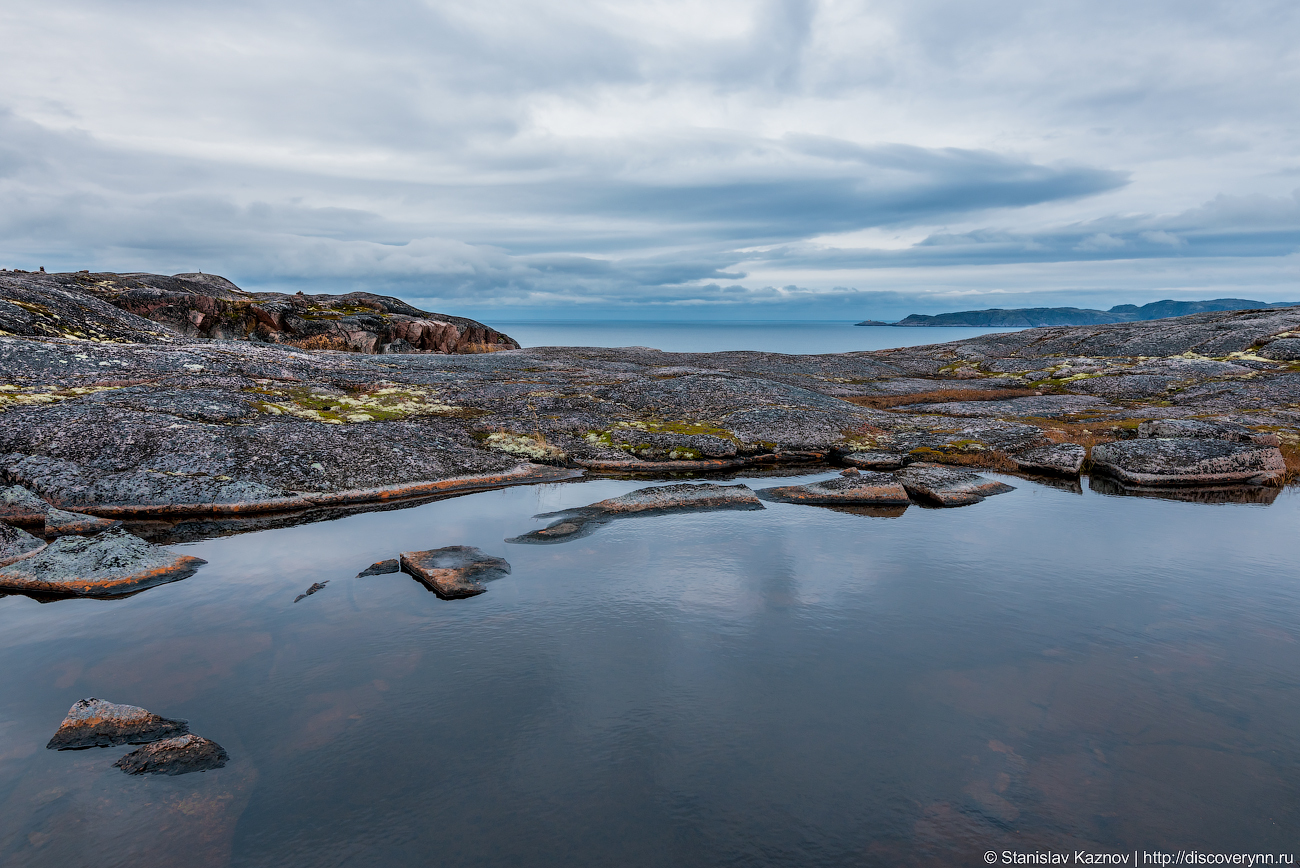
[
  {"x": 1059, "y": 459},
  {"x": 16, "y": 544},
  {"x": 316, "y": 586},
  {"x": 1188, "y": 461},
  {"x": 683, "y": 497},
  {"x": 174, "y": 756},
  {"x": 60, "y": 523},
  {"x": 107, "y": 564},
  {"x": 20, "y": 506},
  {"x": 947, "y": 486},
  {"x": 454, "y": 572},
  {"x": 96, "y": 723},
  {"x": 379, "y": 568},
  {"x": 1203, "y": 430},
  {"x": 861, "y": 489}
]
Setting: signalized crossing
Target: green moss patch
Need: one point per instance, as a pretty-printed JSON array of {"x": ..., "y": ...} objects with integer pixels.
[{"x": 382, "y": 403}]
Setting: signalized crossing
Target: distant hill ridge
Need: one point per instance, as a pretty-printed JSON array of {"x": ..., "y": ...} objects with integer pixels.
[{"x": 1031, "y": 317}]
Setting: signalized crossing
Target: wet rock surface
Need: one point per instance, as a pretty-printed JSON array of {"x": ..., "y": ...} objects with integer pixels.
[
  {"x": 107, "y": 564},
  {"x": 685, "y": 497},
  {"x": 860, "y": 489},
  {"x": 454, "y": 572},
  {"x": 380, "y": 568},
  {"x": 315, "y": 586},
  {"x": 947, "y": 486},
  {"x": 180, "y": 755},
  {"x": 118, "y": 424},
  {"x": 96, "y": 723},
  {"x": 1188, "y": 461},
  {"x": 16, "y": 544}
]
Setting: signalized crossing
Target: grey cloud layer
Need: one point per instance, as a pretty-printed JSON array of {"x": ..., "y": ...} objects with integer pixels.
[{"x": 534, "y": 155}]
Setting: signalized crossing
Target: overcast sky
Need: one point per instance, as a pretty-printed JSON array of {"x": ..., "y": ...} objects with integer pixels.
[{"x": 661, "y": 159}]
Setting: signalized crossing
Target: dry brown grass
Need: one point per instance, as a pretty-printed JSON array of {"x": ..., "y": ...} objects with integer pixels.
[
  {"x": 476, "y": 348},
  {"x": 1291, "y": 455},
  {"x": 884, "y": 402},
  {"x": 319, "y": 342}
]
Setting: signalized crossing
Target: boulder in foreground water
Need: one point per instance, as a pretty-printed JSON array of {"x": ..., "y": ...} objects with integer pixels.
[
  {"x": 683, "y": 497},
  {"x": 16, "y": 544},
  {"x": 454, "y": 572},
  {"x": 857, "y": 489},
  {"x": 948, "y": 486},
  {"x": 1188, "y": 461},
  {"x": 107, "y": 564},
  {"x": 96, "y": 723},
  {"x": 174, "y": 756}
]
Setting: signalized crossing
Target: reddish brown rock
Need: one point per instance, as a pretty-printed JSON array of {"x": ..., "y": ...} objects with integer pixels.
[
  {"x": 454, "y": 572},
  {"x": 96, "y": 723}
]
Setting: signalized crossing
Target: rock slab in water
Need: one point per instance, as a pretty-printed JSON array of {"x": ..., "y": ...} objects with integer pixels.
[
  {"x": 858, "y": 489},
  {"x": 1188, "y": 461},
  {"x": 316, "y": 586},
  {"x": 107, "y": 564},
  {"x": 684, "y": 497},
  {"x": 876, "y": 460},
  {"x": 380, "y": 568},
  {"x": 454, "y": 572},
  {"x": 1201, "y": 429},
  {"x": 96, "y": 723},
  {"x": 1059, "y": 459},
  {"x": 16, "y": 544},
  {"x": 946, "y": 486},
  {"x": 174, "y": 756}
]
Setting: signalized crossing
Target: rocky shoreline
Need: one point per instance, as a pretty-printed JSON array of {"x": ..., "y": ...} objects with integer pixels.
[{"x": 134, "y": 420}]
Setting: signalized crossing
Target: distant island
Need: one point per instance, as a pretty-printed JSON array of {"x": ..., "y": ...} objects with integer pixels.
[{"x": 1031, "y": 317}]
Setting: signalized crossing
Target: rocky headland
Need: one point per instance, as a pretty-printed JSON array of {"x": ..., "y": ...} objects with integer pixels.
[
  {"x": 136, "y": 419},
  {"x": 1033, "y": 317}
]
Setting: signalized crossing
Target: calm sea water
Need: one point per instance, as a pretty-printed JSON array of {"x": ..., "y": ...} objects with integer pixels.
[
  {"x": 792, "y": 687},
  {"x": 796, "y": 337}
]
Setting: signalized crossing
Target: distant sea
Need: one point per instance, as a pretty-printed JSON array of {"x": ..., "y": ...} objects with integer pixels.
[{"x": 796, "y": 337}]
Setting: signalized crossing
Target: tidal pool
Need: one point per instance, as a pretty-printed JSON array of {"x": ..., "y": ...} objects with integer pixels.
[{"x": 796, "y": 686}]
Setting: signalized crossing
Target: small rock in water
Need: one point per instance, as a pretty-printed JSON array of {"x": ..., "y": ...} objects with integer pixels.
[
  {"x": 379, "y": 568},
  {"x": 947, "y": 486},
  {"x": 316, "y": 586},
  {"x": 20, "y": 506},
  {"x": 1060, "y": 459},
  {"x": 17, "y": 544},
  {"x": 174, "y": 756},
  {"x": 60, "y": 523},
  {"x": 684, "y": 497},
  {"x": 454, "y": 572},
  {"x": 107, "y": 564},
  {"x": 96, "y": 723},
  {"x": 876, "y": 460},
  {"x": 1188, "y": 461},
  {"x": 860, "y": 489}
]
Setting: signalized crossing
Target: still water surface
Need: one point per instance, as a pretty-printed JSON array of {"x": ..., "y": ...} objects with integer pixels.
[
  {"x": 794, "y": 337},
  {"x": 793, "y": 687}
]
